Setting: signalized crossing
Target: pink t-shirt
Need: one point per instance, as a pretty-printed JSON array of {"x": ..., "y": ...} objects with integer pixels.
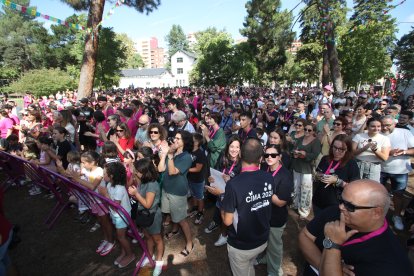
[
  {"x": 105, "y": 126},
  {"x": 132, "y": 125},
  {"x": 5, "y": 125}
]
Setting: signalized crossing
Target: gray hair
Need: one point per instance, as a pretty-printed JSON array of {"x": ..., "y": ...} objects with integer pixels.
[
  {"x": 389, "y": 117},
  {"x": 178, "y": 116}
]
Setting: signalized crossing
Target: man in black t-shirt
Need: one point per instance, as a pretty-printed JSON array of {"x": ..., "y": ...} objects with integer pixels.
[
  {"x": 246, "y": 130},
  {"x": 354, "y": 237},
  {"x": 246, "y": 208}
]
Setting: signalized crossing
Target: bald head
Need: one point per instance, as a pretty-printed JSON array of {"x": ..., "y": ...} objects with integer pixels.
[
  {"x": 371, "y": 192},
  {"x": 144, "y": 119}
]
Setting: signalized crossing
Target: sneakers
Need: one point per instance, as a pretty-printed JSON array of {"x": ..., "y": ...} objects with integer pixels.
[
  {"x": 158, "y": 268},
  {"x": 191, "y": 213},
  {"x": 398, "y": 224},
  {"x": 101, "y": 246},
  {"x": 35, "y": 191},
  {"x": 95, "y": 227},
  {"x": 199, "y": 218},
  {"x": 107, "y": 249},
  {"x": 221, "y": 240},
  {"x": 211, "y": 227},
  {"x": 145, "y": 261}
]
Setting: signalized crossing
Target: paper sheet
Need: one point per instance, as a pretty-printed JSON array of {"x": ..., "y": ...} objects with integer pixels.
[{"x": 218, "y": 179}]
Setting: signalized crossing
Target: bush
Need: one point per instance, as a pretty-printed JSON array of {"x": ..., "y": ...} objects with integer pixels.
[{"x": 42, "y": 82}]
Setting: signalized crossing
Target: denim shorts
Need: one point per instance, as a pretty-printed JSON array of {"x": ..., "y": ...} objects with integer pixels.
[
  {"x": 398, "y": 181},
  {"x": 197, "y": 190},
  {"x": 118, "y": 221}
]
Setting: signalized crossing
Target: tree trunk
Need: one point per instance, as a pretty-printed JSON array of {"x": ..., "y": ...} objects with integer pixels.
[
  {"x": 335, "y": 67},
  {"x": 325, "y": 68},
  {"x": 87, "y": 73}
]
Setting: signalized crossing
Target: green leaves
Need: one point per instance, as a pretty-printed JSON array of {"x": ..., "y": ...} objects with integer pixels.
[
  {"x": 404, "y": 55},
  {"x": 176, "y": 40}
]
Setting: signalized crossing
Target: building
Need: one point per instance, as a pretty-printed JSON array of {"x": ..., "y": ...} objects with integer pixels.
[
  {"x": 146, "y": 78},
  {"x": 191, "y": 38},
  {"x": 295, "y": 46},
  {"x": 182, "y": 63},
  {"x": 152, "y": 55}
]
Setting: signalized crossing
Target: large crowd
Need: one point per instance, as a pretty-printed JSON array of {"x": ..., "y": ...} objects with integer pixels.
[{"x": 163, "y": 154}]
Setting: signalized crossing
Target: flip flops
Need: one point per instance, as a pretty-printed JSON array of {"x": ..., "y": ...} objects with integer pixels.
[
  {"x": 171, "y": 234},
  {"x": 185, "y": 251}
]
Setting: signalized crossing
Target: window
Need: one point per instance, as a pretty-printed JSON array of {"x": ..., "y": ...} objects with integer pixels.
[
  {"x": 180, "y": 71},
  {"x": 179, "y": 60}
]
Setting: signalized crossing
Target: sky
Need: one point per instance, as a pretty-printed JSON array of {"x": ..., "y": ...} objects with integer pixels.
[{"x": 193, "y": 16}]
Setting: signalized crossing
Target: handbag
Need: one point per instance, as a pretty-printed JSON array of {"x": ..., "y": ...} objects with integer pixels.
[{"x": 144, "y": 218}]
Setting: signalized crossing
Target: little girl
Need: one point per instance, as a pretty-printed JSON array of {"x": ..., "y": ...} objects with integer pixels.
[
  {"x": 115, "y": 176},
  {"x": 30, "y": 151},
  {"x": 91, "y": 176},
  {"x": 74, "y": 165},
  {"x": 129, "y": 159},
  {"x": 148, "y": 197},
  {"x": 44, "y": 160}
]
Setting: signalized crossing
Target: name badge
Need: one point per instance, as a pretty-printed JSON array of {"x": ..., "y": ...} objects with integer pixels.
[{"x": 285, "y": 128}]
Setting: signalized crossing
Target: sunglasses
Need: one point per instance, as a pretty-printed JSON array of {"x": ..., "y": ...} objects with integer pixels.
[
  {"x": 273, "y": 155},
  {"x": 153, "y": 132},
  {"x": 337, "y": 124},
  {"x": 338, "y": 149},
  {"x": 308, "y": 129},
  {"x": 120, "y": 130},
  {"x": 299, "y": 125},
  {"x": 350, "y": 207}
]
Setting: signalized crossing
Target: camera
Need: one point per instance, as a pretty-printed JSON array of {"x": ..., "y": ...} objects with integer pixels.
[{"x": 170, "y": 140}]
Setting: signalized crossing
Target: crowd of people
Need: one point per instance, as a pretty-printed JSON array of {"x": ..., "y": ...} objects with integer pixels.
[{"x": 253, "y": 152}]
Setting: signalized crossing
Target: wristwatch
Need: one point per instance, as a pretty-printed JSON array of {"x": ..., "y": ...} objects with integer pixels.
[{"x": 328, "y": 244}]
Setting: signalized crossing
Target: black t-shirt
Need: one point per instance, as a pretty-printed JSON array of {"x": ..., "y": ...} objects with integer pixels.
[
  {"x": 379, "y": 255},
  {"x": 62, "y": 149},
  {"x": 249, "y": 197},
  {"x": 324, "y": 197},
  {"x": 243, "y": 135},
  {"x": 227, "y": 167},
  {"x": 272, "y": 125},
  {"x": 198, "y": 157}
]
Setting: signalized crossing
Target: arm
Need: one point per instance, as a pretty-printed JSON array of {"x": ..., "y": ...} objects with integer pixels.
[
  {"x": 331, "y": 263},
  {"x": 309, "y": 249},
  {"x": 146, "y": 201},
  {"x": 358, "y": 151},
  {"x": 91, "y": 186},
  {"x": 197, "y": 168},
  {"x": 227, "y": 218},
  {"x": 172, "y": 170},
  {"x": 278, "y": 202}
]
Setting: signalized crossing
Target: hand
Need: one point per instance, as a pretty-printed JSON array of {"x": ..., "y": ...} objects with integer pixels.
[
  {"x": 59, "y": 163},
  {"x": 164, "y": 149},
  {"x": 396, "y": 152},
  {"x": 326, "y": 129},
  {"x": 329, "y": 179},
  {"x": 132, "y": 190},
  {"x": 114, "y": 139},
  {"x": 211, "y": 179},
  {"x": 88, "y": 133},
  {"x": 335, "y": 230},
  {"x": 226, "y": 177},
  {"x": 347, "y": 270},
  {"x": 214, "y": 190},
  {"x": 103, "y": 191}
]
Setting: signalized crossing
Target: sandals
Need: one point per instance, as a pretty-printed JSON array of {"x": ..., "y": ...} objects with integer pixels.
[
  {"x": 166, "y": 223},
  {"x": 171, "y": 234},
  {"x": 185, "y": 251}
]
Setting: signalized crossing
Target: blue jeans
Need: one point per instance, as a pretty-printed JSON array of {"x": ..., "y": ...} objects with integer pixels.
[
  {"x": 4, "y": 256},
  {"x": 398, "y": 181}
]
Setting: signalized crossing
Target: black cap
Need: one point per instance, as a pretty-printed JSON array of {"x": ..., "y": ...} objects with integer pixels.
[{"x": 84, "y": 100}]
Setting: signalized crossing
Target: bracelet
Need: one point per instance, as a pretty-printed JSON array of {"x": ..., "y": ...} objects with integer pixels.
[{"x": 404, "y": 152}]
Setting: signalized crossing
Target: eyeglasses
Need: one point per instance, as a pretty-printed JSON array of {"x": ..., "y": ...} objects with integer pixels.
[
  {"x": 299, "y": 125},
  {"x": 337, "y": 124},
  {"x": 120, "y": 130},
  {"x": 338, "y": 149},
  {"x": 273, "y": 155},
  {"x": 154, "y": 132},
  {"x": 350, "y": 207},
  {"x": 308, "y": 129}
]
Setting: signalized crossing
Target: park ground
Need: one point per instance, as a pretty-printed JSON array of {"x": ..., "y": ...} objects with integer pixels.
[{"x": 69, "y": 248}]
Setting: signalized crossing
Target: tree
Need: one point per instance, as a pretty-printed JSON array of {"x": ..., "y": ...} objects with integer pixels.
[
  {"x": 111, "y": 58},
  {"x": 96, "y": 8},
  {"x": 292, "y": 71},
  {"x": 215, "y": 61},
  {"x": 176, "y": 40},
  {"x": 133, "y": 59},
  {"x": 269, "y": 34},
  {"x": 404, "y": 55},
  {"x": 310, "y": 62},
  {"x": 43, "y": 82},
  {"x": 23, "y": 41},
  {"x": 366, "y": 47}
]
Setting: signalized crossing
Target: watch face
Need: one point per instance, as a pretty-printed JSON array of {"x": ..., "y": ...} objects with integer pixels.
[{"x": 327, "y": 243}]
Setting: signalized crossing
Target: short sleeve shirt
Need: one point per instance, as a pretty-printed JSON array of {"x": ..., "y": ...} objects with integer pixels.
[
  {"x": 369, "y": 156},
  {"x": 119, "y": 193},
  {"x": 178, "y": 184},
  {"x": 150, "y": 187}
]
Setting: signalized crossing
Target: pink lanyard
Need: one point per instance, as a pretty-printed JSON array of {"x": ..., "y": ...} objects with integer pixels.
[
  {"x": 213, "y": 133},
  {"x": 287, "y": 118},
  {"x": 231, "y": 168},
  {"x": 276, "y": 171},
  {"x": 368, "y": 236},
  {"x": 250, "y": 168},
  {"x": 247, "y": 135},
  {"x": 329, "y": 170}
]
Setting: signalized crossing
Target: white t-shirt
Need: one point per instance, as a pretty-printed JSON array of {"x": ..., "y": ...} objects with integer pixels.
[
  {"x": 90, "y": 176},
  {"x": 362, "y": 139},
  {"x": 71, "y": 132},
  {"x": 119, "y": 193},
  {"x": 400, "y": 139}
]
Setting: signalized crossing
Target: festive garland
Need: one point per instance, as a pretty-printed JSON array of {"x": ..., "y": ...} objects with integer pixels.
[{"x": 33, "y": 12}]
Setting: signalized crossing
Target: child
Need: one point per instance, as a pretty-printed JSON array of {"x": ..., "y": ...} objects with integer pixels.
[
  {"x": 115, "y": 176},
  {"x": 129, "y": 159},
  {"x": 74, "y": 165},
  {"x": 148, "y": 197},
  {"x": 44, "y": 160},
  {"x": 196, "y": 178},
  {"x": 30, "y": 151},
  {"x": 91, "y": 176}
]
